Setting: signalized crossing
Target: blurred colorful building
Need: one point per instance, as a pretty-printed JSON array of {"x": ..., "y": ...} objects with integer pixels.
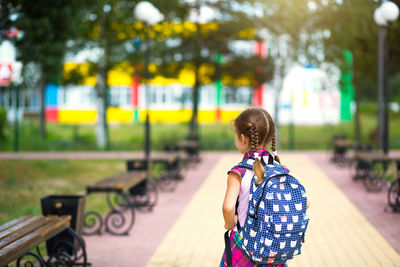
[
  {"x": 308, "y": 96},
  {"x": 170, "y": 100}
]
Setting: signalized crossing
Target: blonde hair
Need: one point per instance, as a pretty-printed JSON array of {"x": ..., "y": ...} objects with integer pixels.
[{"x": 258, "y": 126}]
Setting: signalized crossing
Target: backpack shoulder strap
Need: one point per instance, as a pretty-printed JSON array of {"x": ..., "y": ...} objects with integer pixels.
[{"x": 248, "y": 162}]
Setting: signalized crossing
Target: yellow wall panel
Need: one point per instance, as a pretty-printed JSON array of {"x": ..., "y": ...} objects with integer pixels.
[
  {"x": 119, "y": 115},
  {"x": 228, "y": 115},
  {"x": 77, "y": 116},
  {"x": 126, "y": 115},
  {"x": 183, "y": 115},
  {"x": 207, "y": 116}
]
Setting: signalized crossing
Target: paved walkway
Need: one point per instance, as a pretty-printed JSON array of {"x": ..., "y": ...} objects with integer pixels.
[
  {"x": 339, "y": 234},
  {"x": 374, "y": 206},
  {"x": 348, "y": 225}
]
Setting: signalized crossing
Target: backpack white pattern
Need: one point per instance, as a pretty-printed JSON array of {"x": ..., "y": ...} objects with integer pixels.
[{"x": 276, "y": 220}]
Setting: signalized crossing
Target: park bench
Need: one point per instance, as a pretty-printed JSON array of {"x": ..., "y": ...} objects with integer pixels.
[
  {"x": 366, "y": 168},
  {"x": 340, "y": 147},
  {"x": 364, "y": 163},
  {"x": 190, "y": 147},
  {"x": 129, "y": 190},
  {"x": 18, "y": 237},
  {"x": 369, "y": 161},
  {"x": 120, "y": 218},
  {"x": 394, "y": 189},
  {"x": 172, "y": 162}
]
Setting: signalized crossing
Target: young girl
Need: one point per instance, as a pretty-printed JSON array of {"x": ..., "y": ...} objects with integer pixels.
[{"x": 254, "y": 130}]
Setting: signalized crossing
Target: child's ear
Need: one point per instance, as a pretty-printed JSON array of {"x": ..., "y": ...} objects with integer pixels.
[{"x": 244, "y": 139}]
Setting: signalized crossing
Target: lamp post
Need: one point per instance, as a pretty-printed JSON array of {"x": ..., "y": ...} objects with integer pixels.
[
  {"x": 150, "y": 15},
  {"x": 291, "y": 123},
  {"x": 383, "y": 16}
]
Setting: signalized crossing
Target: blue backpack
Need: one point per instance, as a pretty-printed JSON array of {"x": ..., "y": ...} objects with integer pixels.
[{"x": 276, "y": 220}]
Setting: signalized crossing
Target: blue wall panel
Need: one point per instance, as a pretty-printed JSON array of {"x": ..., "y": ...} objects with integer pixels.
[{"x": 51, "y": 99}]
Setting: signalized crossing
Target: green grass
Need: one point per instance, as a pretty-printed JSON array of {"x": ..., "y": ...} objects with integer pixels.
[
  {"x": 218, "y": 136},
  {"x": 24, "y": 182},
  {"x": 387, "y": 171}
]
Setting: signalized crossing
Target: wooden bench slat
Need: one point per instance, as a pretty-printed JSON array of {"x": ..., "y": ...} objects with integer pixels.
[
  {"x": 12, "y": 223},
  {"x": 19, "y": 226},
  {"x": 377, "y": 156},
  {"x": 119, "y": 181},
  {"x": 344, "y": 143},
  {"x": 161, "y": 156},
  {"x": 165, "y": 157},
  {"x": 372, "y": 156},
  {"x": 26, "y": 230},
  {"x": 187, "y": 143},
  {"x": 17, "y": 249}
]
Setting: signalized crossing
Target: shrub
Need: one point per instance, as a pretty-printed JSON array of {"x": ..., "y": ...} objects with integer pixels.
[{"x": 3, "y": 122}]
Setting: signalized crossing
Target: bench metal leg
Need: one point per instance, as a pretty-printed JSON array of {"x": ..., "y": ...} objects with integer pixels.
[
  {"x": 93, "y": 223},
  {"x": 362, "y": 169},
  {"x": 373, "y": 183},
  {"x": 118, "y": 221},
  {"x": 166, "y": 183},
  {"x": 28, "y": 261},
  {"x": 145, "y": 197},
  {"x": 394, "y": 196},
  {"x": 115, "y": 221},
  {"x": 69, "y": 253}
]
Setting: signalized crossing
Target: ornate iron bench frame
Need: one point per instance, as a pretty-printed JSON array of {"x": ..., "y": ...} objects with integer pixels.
[{"x": 121, "y": 216}]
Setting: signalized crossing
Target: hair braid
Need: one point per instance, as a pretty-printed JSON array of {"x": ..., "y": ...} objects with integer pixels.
[
  {"x": 254, "y": 142},
  {"x": 253, "y": 137},
  {"x": 273, "y": 147}
]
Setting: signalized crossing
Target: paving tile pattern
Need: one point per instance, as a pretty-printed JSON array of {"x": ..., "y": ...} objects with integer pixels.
[
  {"x": 149, "y": 228},
  {"x": 339, "y": 234},
  {"x": 373, "y": 205},
  {"x": 349, "y": 226}
]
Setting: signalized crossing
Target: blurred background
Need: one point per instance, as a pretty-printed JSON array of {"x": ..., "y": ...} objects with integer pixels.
[
  {"x": 87, "y": 74},
  {"x": 111, "y": 76}
]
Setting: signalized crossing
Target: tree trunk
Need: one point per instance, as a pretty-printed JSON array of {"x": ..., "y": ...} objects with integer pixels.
[
  {"x": 278, "y": 82},
  {"x": 193, "y": 132},
  {"x": 102, "y": 138},
  {"x": 357, "y": 124},
  {"x": 42, "y": 118}
]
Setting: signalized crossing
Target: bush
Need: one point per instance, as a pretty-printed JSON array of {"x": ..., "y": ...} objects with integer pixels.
[
  {"x": 3, "y": 122},
  {"x": 369, "y": 108}
]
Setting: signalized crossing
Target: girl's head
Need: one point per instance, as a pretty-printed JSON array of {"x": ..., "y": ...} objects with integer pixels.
[{"x": 254, "y": 128}]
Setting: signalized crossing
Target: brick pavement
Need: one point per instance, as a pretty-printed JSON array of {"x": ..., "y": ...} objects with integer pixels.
[
  {"x": 150, "y": 228},
  {"x": 348, "y": 225},
  {"x": 373, "y": 205},
  {"x": 339, "y": 234}
]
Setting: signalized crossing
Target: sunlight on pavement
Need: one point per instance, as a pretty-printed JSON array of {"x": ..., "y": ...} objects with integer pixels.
[{"x": 338, "y": 234}]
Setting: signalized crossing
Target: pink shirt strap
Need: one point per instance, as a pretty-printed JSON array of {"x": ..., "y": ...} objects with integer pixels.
[{"x": 239, "y": 171}]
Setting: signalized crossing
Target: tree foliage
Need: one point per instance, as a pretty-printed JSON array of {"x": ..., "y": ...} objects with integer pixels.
[
  {"x": 46, "y": 27},
  {"x": 334, "y": 26},
  {"x": 205, "y": 44}
]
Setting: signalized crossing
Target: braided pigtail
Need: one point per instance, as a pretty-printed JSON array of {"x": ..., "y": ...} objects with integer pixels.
[
  {"x": 257, "y": 167},
  {"x": 274, "y": 152}
]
